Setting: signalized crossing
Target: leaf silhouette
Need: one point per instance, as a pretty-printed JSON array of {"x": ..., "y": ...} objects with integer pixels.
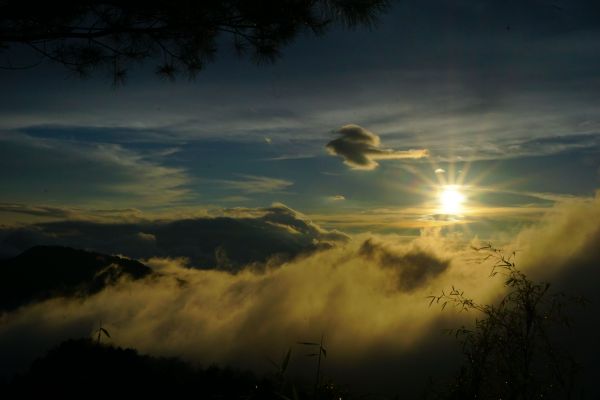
[
  {"x": 286, "y": 360},
  {"x": 273, "y": 362}
]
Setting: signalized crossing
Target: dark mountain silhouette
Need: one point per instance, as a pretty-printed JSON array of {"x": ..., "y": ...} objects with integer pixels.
[
  {"x": 48, "y": 271},
  {"x": 83, "y": 368}
]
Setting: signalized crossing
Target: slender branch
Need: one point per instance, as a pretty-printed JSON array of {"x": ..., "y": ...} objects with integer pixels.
[
  {"x": 11, "y": 67},
  {"x": 65, "y": 34}
]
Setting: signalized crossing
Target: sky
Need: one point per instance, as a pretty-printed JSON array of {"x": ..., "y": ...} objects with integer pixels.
[
  {"x": 347, "y": 143},
  {"x": 501, "y": 95}
]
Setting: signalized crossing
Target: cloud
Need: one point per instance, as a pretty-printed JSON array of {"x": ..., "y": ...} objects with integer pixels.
[
  {"x": 337, "y": 197},
  {"x": 549, "y": 145},
  {"x": 45, "y": 212},
  {"x": 563, "y": 249},
  {"x": 146, "y": 236},
  {"x": 37, "y": 211},
  {"x": 252, "y": 184},
  {"x": 104, "y": 174},
  {"x": 234, "y": 199},
  {"x": 360, "y": 148},
  {"x": 368, "y": 295},
  {"x": 370, "y": 304},
  {"x": 231, "y": 239},
  {"x": 294, "y": 156},
  {"x": 415, "y": 267},
  {"x": 565, "y": 240}
]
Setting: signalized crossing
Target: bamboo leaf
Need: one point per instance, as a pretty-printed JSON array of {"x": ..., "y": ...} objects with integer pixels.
[
  {"x": 273, "y": 363},
  {"x": 432, "y": 300},
  {"x": 286, "y": 360}
]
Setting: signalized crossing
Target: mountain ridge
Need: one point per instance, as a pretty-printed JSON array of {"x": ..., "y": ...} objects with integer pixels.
[{"x": 43, "y": 272}]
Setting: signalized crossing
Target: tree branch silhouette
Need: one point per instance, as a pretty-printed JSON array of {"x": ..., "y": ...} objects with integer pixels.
[
  {"x": 511, "y": 351},
  {"x": 181, "y": 36}
]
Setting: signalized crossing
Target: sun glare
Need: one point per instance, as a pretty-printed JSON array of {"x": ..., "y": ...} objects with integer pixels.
[{"x": 451, "y": 200}]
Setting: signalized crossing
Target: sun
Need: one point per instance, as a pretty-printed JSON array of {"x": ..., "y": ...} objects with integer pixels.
[{"x": 451, "y": 200}]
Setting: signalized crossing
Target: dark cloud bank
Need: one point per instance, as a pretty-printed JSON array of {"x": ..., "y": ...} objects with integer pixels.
[
  {"x": 259, "y": 236},
  {"x": 367, "y": 295},
  {"x": 360, "y": 148}
]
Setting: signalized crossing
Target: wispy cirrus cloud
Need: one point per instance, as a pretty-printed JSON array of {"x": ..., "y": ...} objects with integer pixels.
[
  {"x": 42, "y": 212},
  {"x": 92, "y": 173},
  {"x": 252, "y": 184},
  {"x": 337, "y": 197}
]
